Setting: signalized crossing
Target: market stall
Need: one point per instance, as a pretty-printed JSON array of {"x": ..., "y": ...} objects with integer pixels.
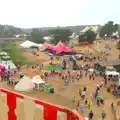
[
  {"x": 113, "y": 74},
  {"x": 38, "y": 82}
]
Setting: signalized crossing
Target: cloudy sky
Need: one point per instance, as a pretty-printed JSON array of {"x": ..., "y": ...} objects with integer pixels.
[{"x": 42, "y": 13}]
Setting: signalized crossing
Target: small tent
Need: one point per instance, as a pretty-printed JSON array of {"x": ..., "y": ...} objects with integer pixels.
[
  {"x": 113, "y": 73},
  {"x": 40, "y": 45},
  {"x": 60, "y": 49},
  {"x": 44, "y": 46},
  {"x": 63, "y": 48},
  {"x": 2, "y": 69},
  {"x": 59, "y": 43},
  {"x": 8, "y": 64},
  {"x": 37, "y": 79},
  {"x": 25, "y": 84},
  {"x": 28, "y": 44}
]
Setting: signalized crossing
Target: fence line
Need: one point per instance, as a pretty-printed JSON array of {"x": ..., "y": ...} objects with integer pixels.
[{"x": 15, "y": 106}]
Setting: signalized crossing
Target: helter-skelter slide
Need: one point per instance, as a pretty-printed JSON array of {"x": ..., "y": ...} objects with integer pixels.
[{"x": 89, "y": 45}]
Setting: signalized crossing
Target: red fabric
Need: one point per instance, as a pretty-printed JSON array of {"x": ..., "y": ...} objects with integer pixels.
[{"x": 2, "y": 69}]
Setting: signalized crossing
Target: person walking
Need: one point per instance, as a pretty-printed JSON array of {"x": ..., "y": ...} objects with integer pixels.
[
  {"x": 90, "y": 116},
  {"x": 90, "y": 77},
  {"x": 89, "y": 102},
  {"x": 86, "y": 102},
  {"x": 83, "y": 95},
  {"x": 78, "y": 104},
  {"x": 112, "y": 106},
  {"x": 102, "y": 102},
  {"x": 98, "y": 100},
  {"x": 105, "y": 82},
  {"x": 85, "y": 88},
  {"x": 80, "y": 91},
  {"x": 103, "y": 115},
  {"x": 82, "y": 108}
]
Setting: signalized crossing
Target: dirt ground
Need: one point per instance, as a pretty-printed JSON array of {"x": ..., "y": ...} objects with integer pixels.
[{"x": 64, "y": 94}]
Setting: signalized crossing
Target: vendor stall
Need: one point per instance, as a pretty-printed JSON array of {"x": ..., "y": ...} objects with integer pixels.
[
  {"x": 38, "y": 82},
  {"x": 2, "y": 68},
  {"x": 113, "y": 73}
]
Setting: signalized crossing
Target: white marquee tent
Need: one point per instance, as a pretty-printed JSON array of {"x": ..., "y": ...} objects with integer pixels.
[
  {"x": 114, "y": 73},
  {"x": 8, "y": 64},
  {"x": 25, "y": 84},
  {"x": 28, "y": 44}
]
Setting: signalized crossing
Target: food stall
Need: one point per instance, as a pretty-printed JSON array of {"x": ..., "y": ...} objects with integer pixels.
[{"x": 115, "y": 75}]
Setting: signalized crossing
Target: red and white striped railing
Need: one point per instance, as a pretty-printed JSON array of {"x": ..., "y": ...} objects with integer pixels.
[{"x": 14, "y": 106}]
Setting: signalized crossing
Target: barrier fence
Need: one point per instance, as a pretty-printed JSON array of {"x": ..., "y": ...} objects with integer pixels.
[{"x": 14, "y": 106}]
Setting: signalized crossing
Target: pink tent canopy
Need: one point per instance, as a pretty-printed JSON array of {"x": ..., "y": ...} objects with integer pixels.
[
  {"x": 2, "y": 68},
  {"x": 62, "y": 48},
  {"x": 51, "y": 48}
]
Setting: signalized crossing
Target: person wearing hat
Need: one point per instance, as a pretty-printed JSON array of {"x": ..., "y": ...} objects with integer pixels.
[{"x": 102, "y": 101}]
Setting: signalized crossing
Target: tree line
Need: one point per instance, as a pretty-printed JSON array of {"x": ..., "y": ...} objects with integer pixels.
[
  {"x": 60, "y": 33},
  {"x": 63, "y": 34},
  {"x": 9, "y": 31}
]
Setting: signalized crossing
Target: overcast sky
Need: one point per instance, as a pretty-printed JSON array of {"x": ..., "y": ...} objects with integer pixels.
[{"x": 43, "y": 13}]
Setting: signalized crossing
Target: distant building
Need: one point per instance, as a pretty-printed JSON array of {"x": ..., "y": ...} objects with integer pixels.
[
  {"x": 74, "y": 38},
  {"x": 47, "y": 38},
  {"x": 20, "y": 36},
  {"x": 93, "y": 28},
  {"x": 115, "y": 35}
]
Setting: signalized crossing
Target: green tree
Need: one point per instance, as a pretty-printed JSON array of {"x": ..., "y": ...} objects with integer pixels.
[
  {"x": 36, "y": 36},
  {"x": 60, "y": 34},
  {"x": 119, "y": 30},
  {"x": 9, "y": 31},
  {"x": 117, "y": 67},
  {"x": 16, "y": 54},
  {"x": 89, "y": 36},
  {"x": 108, "y": 29}
]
